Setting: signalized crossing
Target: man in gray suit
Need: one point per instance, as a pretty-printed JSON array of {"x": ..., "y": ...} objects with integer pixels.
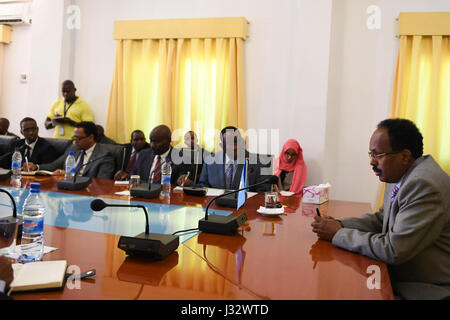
[
  {"x": 411, "y": 231},
  {"x": 86, "y": 151}
]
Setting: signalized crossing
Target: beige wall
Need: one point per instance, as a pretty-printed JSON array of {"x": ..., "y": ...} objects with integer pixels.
[{"x": 314, "y": 71}]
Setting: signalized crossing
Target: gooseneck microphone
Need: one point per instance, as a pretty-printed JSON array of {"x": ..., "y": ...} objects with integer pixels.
[
  {"x": 151, "y": 245},
  {"x": 78, "y": 183},
  {"x": 223, "y": 224},
  {"x": 99, "y": 205},
  {"x": 11, "y": 221}
]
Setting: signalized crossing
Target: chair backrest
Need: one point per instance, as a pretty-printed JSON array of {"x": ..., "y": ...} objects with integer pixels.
[
  {"x": 266, "y": 161},
  {"x": 60, "y": 145},
  {"x": 118, "y": 152},
  {"x": 5, "y": 143}
]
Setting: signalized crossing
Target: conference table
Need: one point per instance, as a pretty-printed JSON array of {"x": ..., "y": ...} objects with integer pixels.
[{"x": 268, "y": 258}]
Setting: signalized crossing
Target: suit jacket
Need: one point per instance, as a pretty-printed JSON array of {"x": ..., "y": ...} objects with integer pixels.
[
  {"x": 412, "y": 235},
  {"x": 128, "y": 151},
  {"x": 213, "y": 173},
  {"x": 103, "y": 168},
  {"x": 144, "y": 164},
  {"x": 191, "y": 161},
  {"x": 43, "y": 152}
]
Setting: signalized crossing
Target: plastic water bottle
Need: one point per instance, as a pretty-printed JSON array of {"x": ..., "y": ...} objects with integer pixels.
[
  {"x": 16, "y": 168},
  {"x": 70, "y": 166},
  {"x": 166, "y": 173},
  {"x": 32, "y": 248}
]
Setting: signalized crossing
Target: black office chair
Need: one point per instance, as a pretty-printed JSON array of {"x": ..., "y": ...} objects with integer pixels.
[
  {"x": 5, "y": 143},
  {"x": 60, "y": 145}
]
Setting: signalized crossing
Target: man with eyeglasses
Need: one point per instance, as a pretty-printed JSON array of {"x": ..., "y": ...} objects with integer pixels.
[
  {"x": 411, "y": 231},
  {"x": 33, "y": 148},
  {"x": 93, "y": 159}
]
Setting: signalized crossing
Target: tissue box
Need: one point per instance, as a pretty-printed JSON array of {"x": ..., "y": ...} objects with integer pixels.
[{"x": 316, "y": 194}]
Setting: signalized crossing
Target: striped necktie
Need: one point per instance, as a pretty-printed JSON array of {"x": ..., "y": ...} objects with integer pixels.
[
  {"x": 394, "y": 192},
  {"x": 157, "y": 171},
  {"x": 229, "y": 175}
]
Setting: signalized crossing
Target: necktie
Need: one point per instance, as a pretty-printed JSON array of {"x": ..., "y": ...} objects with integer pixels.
[
  {"x": 229, "y": 175},
  {"x": 157, "y": 171},
  {"x": 80, "y": 162},
  {"x": 131, "y": 162},
  {"x": 27, "y": 152},
  {"x": 394, "y": 193}
]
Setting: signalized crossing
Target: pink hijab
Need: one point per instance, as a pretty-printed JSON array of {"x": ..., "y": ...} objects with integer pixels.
[{"x": 298, "y": 166}]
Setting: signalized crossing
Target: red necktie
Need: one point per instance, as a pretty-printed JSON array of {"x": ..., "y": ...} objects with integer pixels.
[
  {"x": 157, "y": 171},
  {"x": 131, "y": 162}
]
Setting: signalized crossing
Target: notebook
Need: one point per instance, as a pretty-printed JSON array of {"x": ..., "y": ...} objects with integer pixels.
[
  {"x": 37, "y": 173},
  {"x": 40, "y": 275}
]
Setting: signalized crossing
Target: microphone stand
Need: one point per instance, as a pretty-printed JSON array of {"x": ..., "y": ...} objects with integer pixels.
[
  {"x": 224, "y": 224},
  {"x": 153, "y": 245},
  {"x": 82, "y": 182}
]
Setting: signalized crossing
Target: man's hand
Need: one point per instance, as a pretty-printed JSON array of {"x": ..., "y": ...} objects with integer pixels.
[
  {"x": 182, "y": 181},
  {"x": 59, "y": 172},
  {"x": 6, "y": 271},
  {"x": 29, "y": 167},
  {"x": 325, "y": 227},
  {"x": 120, "y": 175}
]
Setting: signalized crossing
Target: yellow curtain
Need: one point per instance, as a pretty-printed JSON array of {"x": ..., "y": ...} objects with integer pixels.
[
  {"x": 422, "y": 91},
  {"x": 186, "y": 84}
]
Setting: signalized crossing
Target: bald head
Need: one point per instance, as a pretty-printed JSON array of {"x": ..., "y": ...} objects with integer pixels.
[{"x": 160, "y": 139}]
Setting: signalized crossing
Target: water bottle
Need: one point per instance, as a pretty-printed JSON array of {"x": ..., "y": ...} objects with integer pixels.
[
  {"x": 32, "y": 248},
  {"x": 16, "y": 168},
  {"x": 166, "y": 173},
  {"x": 70, "y": 166}
]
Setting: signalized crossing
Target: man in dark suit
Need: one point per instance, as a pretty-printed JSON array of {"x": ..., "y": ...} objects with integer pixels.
[
  {"x": 101, "y": 138},
  {"x": 132, "y": 152},
  {"x": 4, "y": 126},
  {"x": 150, "y": 161},
  {"x": 193, "y": 158},
  {"x": 35, "y": 149},
  {"x": 85, "y": 151},
  {"x": 223, "y": 170}
]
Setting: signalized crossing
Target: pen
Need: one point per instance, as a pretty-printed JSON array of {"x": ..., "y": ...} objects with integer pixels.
[
  {"x": 185, "y": 178},
  {"x": 318, "y": 212},
  {"x": 28, "y": 166}
]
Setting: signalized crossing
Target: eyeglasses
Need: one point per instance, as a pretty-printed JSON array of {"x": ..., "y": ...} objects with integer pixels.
[
  {"x": 374, "y": 155},
  {"x": 78, "y": 138}
]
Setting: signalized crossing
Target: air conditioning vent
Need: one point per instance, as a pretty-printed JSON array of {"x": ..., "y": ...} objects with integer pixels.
[{"x": 15, "y": 13}]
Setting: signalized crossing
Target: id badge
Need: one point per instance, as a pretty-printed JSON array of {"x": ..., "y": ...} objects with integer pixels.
[{"x": 61, "y": 130}]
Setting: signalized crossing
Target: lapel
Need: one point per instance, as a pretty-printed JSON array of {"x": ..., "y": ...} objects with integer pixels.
[
  {"x": 94, "y": 155},
  {"x": 35, "y": 155}
]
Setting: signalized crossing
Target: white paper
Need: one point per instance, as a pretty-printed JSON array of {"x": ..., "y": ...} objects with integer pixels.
[
  {"x": 16, "y": 254},
  {"x": 123, "y": 193},
  {"x": 121, "y": 183},
  {"x": 214, "y": 192},
  {"x": 178, "y": 188},
  {"x": 286, "y": 193}
]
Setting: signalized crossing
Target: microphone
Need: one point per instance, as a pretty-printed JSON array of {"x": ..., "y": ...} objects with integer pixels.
[
  {"x": 146, "y": 244},
  {"x": 147, "y": 190},
  {"x": 223, "y": 224},
  {"x": 78, "y": 183},
  {"x": 13, "y": 221}
]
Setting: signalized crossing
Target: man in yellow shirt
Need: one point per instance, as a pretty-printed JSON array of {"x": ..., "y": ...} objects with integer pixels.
[{"x": 66, "y": 112}]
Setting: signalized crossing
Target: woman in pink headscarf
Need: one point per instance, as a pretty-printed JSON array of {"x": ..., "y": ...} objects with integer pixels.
[{"x": 290, "y": 167}]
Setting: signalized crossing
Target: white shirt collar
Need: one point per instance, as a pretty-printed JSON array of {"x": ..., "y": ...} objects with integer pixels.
[{"x": 31, "y": 145}]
